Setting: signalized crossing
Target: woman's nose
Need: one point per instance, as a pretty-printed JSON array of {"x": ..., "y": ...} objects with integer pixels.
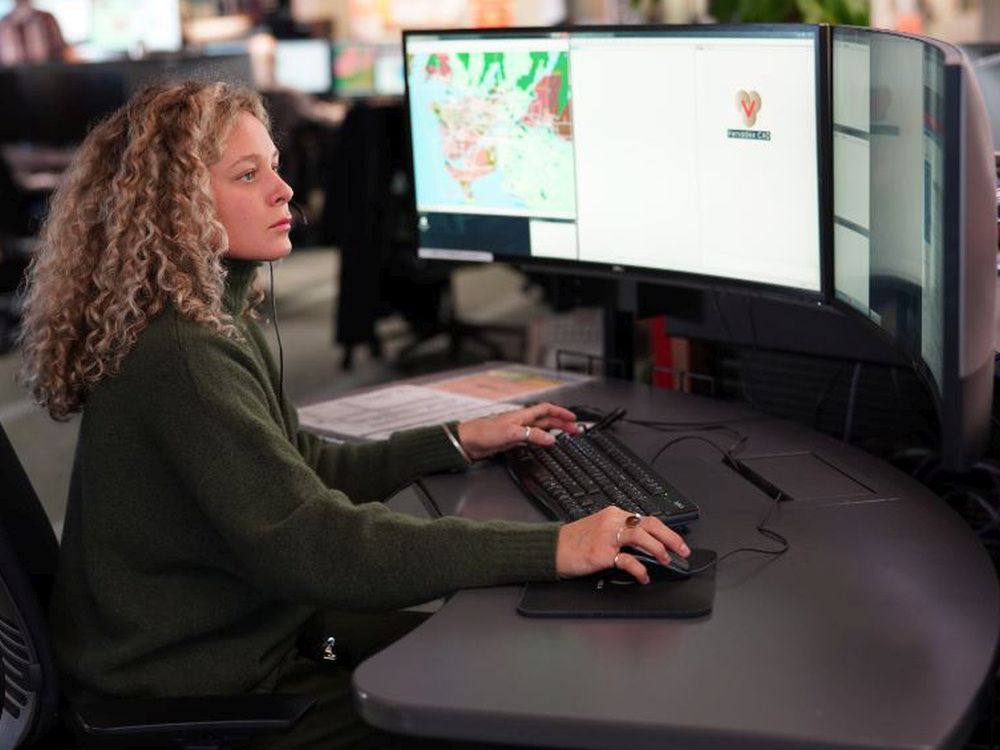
[{"x": 283, "y": 192}]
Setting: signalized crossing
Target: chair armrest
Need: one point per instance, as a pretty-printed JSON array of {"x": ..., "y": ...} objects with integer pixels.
[{"x": 174, "y": 720}]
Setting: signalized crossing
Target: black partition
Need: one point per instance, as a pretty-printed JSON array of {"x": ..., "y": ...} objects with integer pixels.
[{"x": 57, "y": 104}]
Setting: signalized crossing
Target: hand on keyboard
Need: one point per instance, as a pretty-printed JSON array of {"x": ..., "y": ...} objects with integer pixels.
[
  {"x": 595, "y": 543},
  {"x": 488, "y": 435}
]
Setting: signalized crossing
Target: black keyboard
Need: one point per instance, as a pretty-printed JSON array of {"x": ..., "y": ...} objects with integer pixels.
[{"x": 581, "y": 474}]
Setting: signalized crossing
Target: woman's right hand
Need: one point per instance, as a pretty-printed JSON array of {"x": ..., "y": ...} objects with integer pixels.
[{"x": 594, "y": 543}]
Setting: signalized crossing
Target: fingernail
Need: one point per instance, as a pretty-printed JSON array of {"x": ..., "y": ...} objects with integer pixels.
[{"x": 685, "y": 550}]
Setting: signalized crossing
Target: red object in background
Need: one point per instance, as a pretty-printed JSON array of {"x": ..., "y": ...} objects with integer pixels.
[{"x": 660, "y": 351}]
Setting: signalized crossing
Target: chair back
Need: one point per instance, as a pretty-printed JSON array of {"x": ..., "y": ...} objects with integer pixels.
[{"x": 28, "y": 558}]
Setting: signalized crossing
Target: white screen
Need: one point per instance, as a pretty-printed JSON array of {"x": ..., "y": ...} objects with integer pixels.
[
  {"x": 662, "y": 183},
  {"x": 121, "y": 25},
  {"x": 641, "y": 138},
  {"x": 389, "y": 72},
  {"x": 304, "y": 65}
]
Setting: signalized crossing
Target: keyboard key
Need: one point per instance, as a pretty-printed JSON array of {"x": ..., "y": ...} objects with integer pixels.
[{"x": 581, "y": 474}]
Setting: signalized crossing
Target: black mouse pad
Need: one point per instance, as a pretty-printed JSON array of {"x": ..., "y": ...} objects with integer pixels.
[{"x": 600, "y": 595}]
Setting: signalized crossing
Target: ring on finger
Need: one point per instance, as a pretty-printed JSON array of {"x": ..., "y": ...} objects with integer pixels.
[
  {"x": 618, "y": 535},
  {"x": 614, "y": 563},
  {"x": 527, "y": 433},
  {"x": 633, "y": 520}
]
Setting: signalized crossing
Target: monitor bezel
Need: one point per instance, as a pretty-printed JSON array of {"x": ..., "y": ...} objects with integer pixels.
[
  {"x": 824, "y": 158},
  {"x": 950, "y": 264},
  {"x": 960, "y": 441}
]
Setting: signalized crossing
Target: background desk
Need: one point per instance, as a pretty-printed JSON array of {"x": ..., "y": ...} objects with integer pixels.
[{"x": 877, "y": 629}]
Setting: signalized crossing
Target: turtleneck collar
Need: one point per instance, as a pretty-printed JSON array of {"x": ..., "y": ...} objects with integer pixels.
[{"x": 239, "y": 275}]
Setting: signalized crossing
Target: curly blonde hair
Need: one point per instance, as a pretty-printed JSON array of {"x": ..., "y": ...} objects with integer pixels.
[{"x": 131, "y": 230}]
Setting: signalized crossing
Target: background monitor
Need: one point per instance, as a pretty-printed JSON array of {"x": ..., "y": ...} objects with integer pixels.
[
  {"x": 678, "y": 150},
  {"x": 128, "y": 25},
  {"x": 304, "y": 65},
  {"x": 354, "y": 69},
  {"x": 56, "y": 104},
  {"x": 389, "y": 74},
  {"x": 914, "y": 217}
]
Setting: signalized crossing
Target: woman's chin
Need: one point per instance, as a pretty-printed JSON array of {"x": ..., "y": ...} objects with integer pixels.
[{"x": 259, "y": 254}]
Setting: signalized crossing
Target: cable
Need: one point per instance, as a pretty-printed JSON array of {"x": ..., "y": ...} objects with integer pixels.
[
  {"x": 675, "y": 441},
  {"x": 762, "y": 529},
  {"x": 277, "y": 333},
  {"x": 739, "y": 439}
]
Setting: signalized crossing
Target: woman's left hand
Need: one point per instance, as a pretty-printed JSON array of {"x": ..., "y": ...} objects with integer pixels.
[{"x": 488, "y": 435}]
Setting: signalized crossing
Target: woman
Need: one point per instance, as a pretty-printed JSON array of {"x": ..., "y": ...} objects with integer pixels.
[{"x": 204, "y": 531}]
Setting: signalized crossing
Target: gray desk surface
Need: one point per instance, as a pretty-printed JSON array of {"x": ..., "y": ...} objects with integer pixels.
[{"x": 876, "y": 630}]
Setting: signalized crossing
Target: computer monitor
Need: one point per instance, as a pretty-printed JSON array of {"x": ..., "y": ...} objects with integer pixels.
[
  {"x": 304, "y": 65},
  {"x": 691, "y": 151},
  {"x": 354, "y": 69},
  {"x": 914, "y": 217},
  {"x": 122, "y": 26},
  {"x": 389, "y": 75},
  {"x": 57, "y": 104}
]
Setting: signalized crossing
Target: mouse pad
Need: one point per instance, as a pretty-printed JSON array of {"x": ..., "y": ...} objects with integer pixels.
[{"x": 599, "y": 595}]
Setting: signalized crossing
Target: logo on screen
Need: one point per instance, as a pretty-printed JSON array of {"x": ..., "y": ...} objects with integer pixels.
[{"x": 748, "y": 102}]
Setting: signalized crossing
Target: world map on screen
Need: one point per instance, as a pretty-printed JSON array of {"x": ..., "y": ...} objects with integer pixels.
[{"x": 493, "y": 130}]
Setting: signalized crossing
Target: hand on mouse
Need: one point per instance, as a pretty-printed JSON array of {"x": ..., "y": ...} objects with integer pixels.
[
  {"x": 488, "y": 435},
  {"x": 595, "y": 543}
]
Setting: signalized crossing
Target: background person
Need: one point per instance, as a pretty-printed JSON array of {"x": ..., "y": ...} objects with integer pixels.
[{"x": 29, "y": 35}]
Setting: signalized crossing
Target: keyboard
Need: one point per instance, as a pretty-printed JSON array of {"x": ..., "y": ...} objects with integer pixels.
[{"x": 581, "y": 474}]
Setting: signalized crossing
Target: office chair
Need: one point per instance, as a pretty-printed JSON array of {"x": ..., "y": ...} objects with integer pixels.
[{"x": 32, "y": 714}]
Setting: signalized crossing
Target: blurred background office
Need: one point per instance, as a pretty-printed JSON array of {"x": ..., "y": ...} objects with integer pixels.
[
  {"x": 30, "y": 35},
  {"x": 355, "y": 303}
]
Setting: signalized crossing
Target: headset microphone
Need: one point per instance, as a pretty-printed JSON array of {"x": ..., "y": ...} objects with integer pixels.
[{"x": 300, "y": 211}]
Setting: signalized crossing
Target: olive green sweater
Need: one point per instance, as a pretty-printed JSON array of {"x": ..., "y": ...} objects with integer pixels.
[{"x": 203, "y": 528}]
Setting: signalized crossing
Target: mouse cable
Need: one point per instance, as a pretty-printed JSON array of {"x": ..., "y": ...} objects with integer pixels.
[
  {"x": 726, "y": 454},
  {"x": 762, "y": 528},
  {"x": 739, "y": 438}
]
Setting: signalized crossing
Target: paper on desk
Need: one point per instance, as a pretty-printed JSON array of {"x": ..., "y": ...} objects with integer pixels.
[
  {"x": 377, "y": 414},
  {"x": 510, "y": 381}
]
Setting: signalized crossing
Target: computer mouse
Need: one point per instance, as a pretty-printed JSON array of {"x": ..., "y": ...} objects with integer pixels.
[{"x": 676, "y": 570}]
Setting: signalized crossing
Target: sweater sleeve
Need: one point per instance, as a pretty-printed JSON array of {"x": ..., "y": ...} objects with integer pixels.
[
  {"x": 411, "y": 453},
  {"x": 294, "y": 536}
]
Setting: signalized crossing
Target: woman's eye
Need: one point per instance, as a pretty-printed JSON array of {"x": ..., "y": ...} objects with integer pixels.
[
  {"x": 248, "y": 176},
  {"x": 276, "y": 168}
]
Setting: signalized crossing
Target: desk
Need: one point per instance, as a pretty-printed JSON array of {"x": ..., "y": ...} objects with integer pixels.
[{"x": 877, "y": 628}]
